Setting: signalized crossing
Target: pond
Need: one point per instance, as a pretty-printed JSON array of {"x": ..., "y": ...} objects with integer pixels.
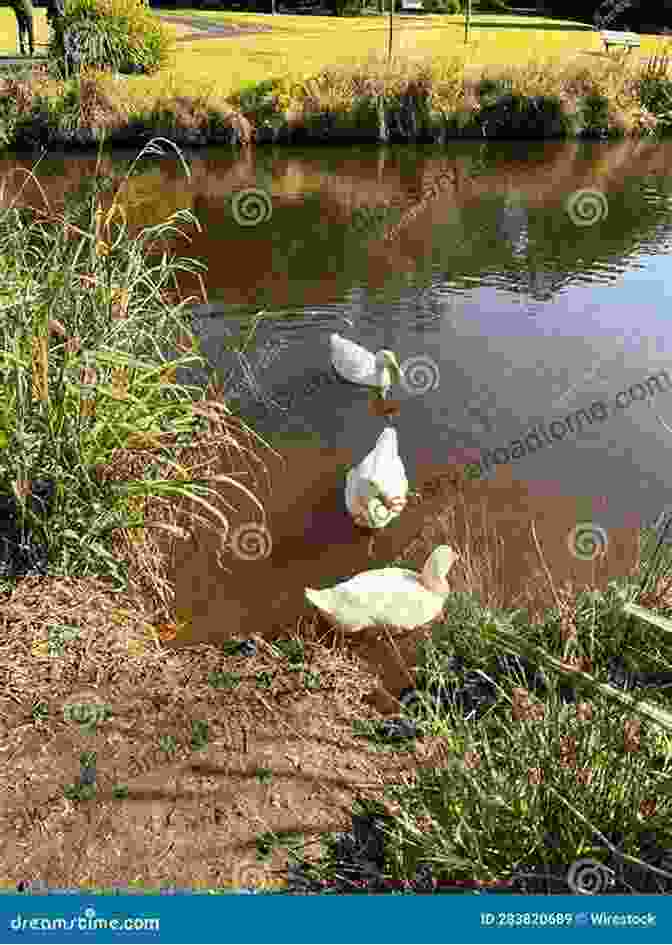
[{"x": 530, "y": 284}]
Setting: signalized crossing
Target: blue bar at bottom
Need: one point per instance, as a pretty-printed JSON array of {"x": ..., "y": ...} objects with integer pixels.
[{"x": 472, "y": 918}]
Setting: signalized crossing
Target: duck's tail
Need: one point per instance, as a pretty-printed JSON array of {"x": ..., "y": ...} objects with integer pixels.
[{"x": 318, "y": 599}]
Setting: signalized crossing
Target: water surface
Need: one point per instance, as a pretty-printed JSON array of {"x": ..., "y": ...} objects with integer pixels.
[{"x": 524, "y": 315}]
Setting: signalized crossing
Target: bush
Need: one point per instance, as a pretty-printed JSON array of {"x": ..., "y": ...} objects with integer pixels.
[
  {"x": 519, "y": 116},
  {"x": 593, "y": 110},
  {"x": 492, "y": 6},
  {"x": 257, "y": 100},
  {"x": 655, "y": 93},
  {"x": 123, "y": 35},
  {"x": 452, "y": 7}
]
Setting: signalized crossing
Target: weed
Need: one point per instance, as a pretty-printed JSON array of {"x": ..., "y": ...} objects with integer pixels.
[
  {"x": 199, "y": 734},
  {"x": 264, "y": 775},
  {"x": 293, "y": 650},
  {"x": 224, "y": 680},
  {"x": 40, "y": 711},
  {"x": 311, "y": 680},
  {"x": 168, "y": 744},
  {"x": 264, "y": 679}
]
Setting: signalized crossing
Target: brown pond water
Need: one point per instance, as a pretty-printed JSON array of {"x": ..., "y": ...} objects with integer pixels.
[{"x": 525, "y": 313}]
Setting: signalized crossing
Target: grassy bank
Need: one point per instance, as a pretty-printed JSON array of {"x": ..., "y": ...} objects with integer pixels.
[
  {"x": 211, "y": 766},
  {"x": 291, "y": 85}
]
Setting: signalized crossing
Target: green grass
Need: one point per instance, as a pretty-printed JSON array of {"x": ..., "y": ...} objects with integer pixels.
[
  {"x": 304, "y": 45},
  {"x": 578, "y": 780},
  {"x": 82, "y": 388}
]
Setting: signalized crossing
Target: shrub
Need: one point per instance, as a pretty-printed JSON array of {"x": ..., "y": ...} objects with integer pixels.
[
  {"x": 489, "y": 90},
  {"x": 123, "y": 35},
  {"x": 451, "y": 7},
  {"x": 349, "y": 7},
  {"x": 594, "y": 114},
  {"x": 519, "y": 116},
  {"x": 492, "y": 6},
  {"x": 655, "y": 93},
  {"x": 256, "y": 100}
]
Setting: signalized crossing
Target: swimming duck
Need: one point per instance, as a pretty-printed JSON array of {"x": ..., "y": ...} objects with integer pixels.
[
  {"x": 394, "y": 596},
  {"x": 376, "y": 489},
  {"x": 357, "y": 365}
]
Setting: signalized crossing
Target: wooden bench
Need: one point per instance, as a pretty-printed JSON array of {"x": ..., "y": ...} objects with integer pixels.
[{"x": 614, "y": 38}]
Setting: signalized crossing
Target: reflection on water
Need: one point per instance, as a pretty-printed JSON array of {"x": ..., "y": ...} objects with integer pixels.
[{"x": 525, "y": 314}]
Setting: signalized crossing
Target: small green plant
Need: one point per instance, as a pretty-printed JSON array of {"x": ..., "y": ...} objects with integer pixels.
[
  {"x": 267, "y": 841},
  {"x": 87, "y": 715},
  {"x": 224, "y": 680},
  {"x": 40, "y": 711},
  {"x": 84, "y": 789},
  {"x": 264, "y": 679},
  {"x": 312, "y": 680},
  {"x": 264, "y": 775},
  {"x": 59, "y": 635},
  {"x": 293, "y": 650},
  {"x": 168, "y": 744},
  {"x": 232, "y": 647},
  {"x": 199, "y": 734},
  {"x": 80, "y": 792},
  {"x": 120, "y": 792}
]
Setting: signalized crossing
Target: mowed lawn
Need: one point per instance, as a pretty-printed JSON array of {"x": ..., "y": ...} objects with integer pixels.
[
  {"x": 306, "y": 44},
  {"x": 302, "y": 45}
]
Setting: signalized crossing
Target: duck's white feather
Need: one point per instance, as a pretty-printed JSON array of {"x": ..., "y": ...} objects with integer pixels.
[
  {"x": 359, "y": 366},
  {"x": 394, "y": 596},
  {"x": 376, "y": 490},
  {"x": 352, "y": 362}
]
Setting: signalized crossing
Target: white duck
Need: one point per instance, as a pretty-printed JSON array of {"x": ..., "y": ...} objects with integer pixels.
[
  {"x": 377, "y": 489},
  {"x": 359, "y": 366},
  {"x": 394, "y": 596}
]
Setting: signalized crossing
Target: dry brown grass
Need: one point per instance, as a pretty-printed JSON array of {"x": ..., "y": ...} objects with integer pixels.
[{"x": 189, "y": 820}]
